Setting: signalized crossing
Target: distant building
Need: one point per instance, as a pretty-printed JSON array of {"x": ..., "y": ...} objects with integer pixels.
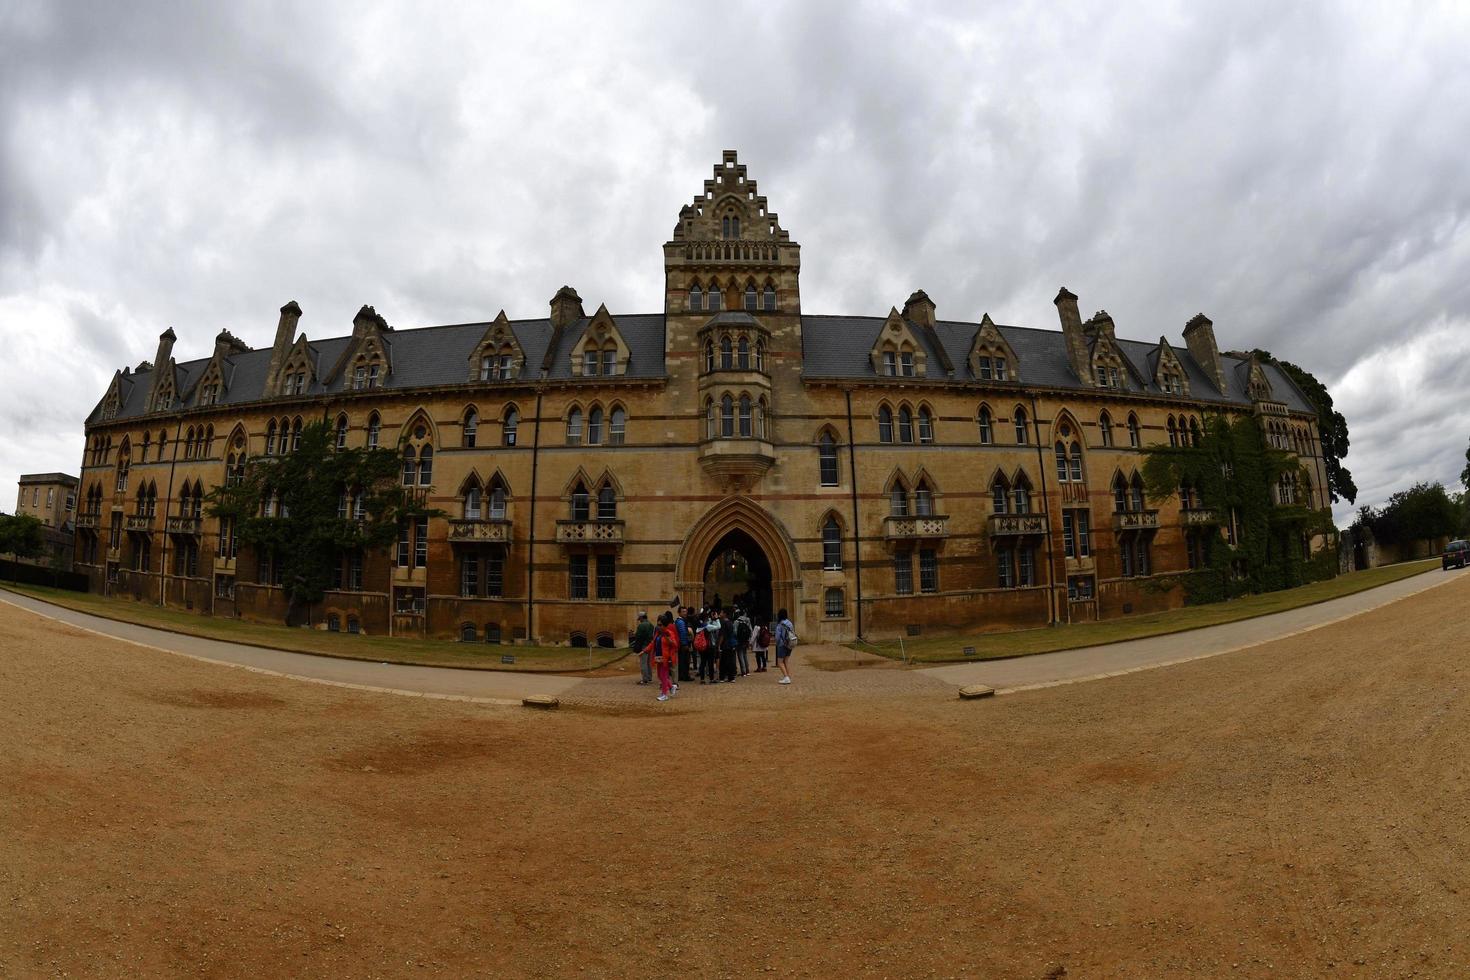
[
  {"x": 51, "y": 498},
  {"x": 877, "y": 474}
]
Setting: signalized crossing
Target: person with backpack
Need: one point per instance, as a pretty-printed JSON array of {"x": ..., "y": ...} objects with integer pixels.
[
  {"x": 664, "y": 647},
  {"x": 707, "y": 647},
  {"x": 786, "y": 640},
  {"x": 686, "y": 642},
  {"x": 742, "y": 641},
  {"x": 760, "y": 643},
  {"x": 727, "y": 649}
]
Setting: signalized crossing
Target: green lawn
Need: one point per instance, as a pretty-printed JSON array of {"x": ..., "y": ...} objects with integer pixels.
[
  {"x": 989, "y": 646},
  {"x": 432, "y": 653}
]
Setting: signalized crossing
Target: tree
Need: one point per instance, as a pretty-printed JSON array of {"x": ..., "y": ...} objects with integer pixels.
[
  {"x": 1331, "y": 428},
  {"x": 305, "y": 530},
  {"x": 1465, "y": 473},
  {"x": 1421, "y": 513},
  {"x": 20, "y": 535}
]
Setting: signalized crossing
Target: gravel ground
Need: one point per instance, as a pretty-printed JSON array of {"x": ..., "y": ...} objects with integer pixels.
[{"x": 1297, "y": 809}]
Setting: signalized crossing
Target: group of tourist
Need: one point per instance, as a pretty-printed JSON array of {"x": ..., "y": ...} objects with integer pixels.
[{"x": 715, "y": 642}]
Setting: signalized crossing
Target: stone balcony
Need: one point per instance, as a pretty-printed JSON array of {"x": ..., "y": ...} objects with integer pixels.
[
  {"x": 1196, "y": 516},
  {"x": 479, "y": 531},
  {"x": 92, "y": 521},
  {"x": 1135, "y": 520},
  {"x": 183, "y": 525},
  {"x": 915, "y": 528},
  {"x": 1016, "y": 525},
  {"x": 589, "y": 532},
  {"x": 138, "y": 522},
  {"x": 743, "y": 459}
]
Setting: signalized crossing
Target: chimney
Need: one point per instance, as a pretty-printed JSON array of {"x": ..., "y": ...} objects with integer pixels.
[
  {"x": 918, "y": 309},
  {"x": 1199, "y": 336},
  {"x": 368, "y": 320},
  {"x": 1100, "y": 323},
  {"x": 285, "y": 337},
  {"x": 566, "y": 309},
  {"x": 161, "y": 361},
  {"x": 1073, "y": 336},
  {"x": 227, "y": 344}
]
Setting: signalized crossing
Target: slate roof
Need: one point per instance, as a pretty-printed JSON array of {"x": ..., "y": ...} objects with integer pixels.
[{"x": 833, "y": 347}]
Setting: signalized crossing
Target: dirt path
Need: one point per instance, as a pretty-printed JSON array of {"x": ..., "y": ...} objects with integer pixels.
[{"x": 1295, "y": 809}]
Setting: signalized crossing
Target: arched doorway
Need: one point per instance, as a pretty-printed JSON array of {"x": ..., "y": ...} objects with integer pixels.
[
  {"x": 739, "y": 529},
  {"x": 738, "y": 574}
]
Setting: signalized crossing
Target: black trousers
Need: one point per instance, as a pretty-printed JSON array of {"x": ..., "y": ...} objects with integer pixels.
[
  {"x": 686, "y": 654},
  {"x": 760, "y": 659},
  {"x": 707, "y": 661},
  {"x": 727, "y": 665}
]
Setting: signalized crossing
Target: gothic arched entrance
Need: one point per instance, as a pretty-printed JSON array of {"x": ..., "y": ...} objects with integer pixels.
[{"x": 736, "y": 531}]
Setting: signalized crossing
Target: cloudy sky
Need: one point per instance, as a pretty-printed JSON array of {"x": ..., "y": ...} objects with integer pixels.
[{"x": 1300, "y": 176}]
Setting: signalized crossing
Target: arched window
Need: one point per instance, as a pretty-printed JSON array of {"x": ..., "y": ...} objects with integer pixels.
[
  {"x": 770, "y": 299},
  {"x": 1136, "y": 488},
  {"x": 898, "y": 499},
  {"x": 745, "y": 430},
  {"x": 497, "y": 500},
  {"x": 375, "y": 426},
  {"x": 926, "y": 426},
  {"x": 1105, "y": 428},
  {"x": 270, "y": 438},
  {"x": 410, "y": 465},
  {"x": 827, "y": 459},
  {"x": 831, "y": 544},
  {"x": 1194, "y": 432},
  {"x": 1000, "y": 494},
  {"x": 426, "y": 466},
  {"x": 581, "y": 503},
  {"x": 714, "y": 299},
  {"x": 923, "y": 500},
  {"x": 509, "y": 427},
  {"x": 471, "y": 429},
  {"x": 696, "y": 297},
  {"x": 1076, "y": 462},
  {"x": 1120, "y": 494},
  {"x": 1173, "y": 432},
  {"x": 760, "y": 356},
  {"x": 1021, "y": 495},
  {"x": 1020, "y": 419},
  {"x": 492, "y": 632},
  {"x": 472, "y": 498},
  {"x": 467, "y": 633},
  {"x": 208, "y": 440},
  {"x": 905, "y": 425},
  {"x": 1134, "y": 439},
  {"x": 727, "y": 359},
  {"x": 885, "y": 424},
  {"x": 727, "y": 417},
  {"x": 987, "y": 430},
  {"x": 342, "y": 432},
  {"x": 1061, "y": 451},
  {"x": 709, "y": 356},
  {"x": 761, "y": 411},
  {"x": 574, "y": 427},
  {"x": 607, "y": 503},
  {"x": 296, "y": 434},
  {"x": 832, "y": 603},
  {"x": 712, "y": 423},
  {"x": 750, "y": 297},
  {"x": 743, "y": 360},
  {"x": 618, "y": 427},
  {"x": 594, "y": 426}
]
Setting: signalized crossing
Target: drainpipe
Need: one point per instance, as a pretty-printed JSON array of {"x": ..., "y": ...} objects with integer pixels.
[
  {"x": 531, "y": 535},
  {"x": 857, "y": 534},
  {"x": 1051, "y": 592},
  {"x": 163, "y": 552}
]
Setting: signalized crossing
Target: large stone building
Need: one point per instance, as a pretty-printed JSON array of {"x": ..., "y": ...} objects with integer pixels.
[
  {"x": 870, "y": 473},
  {"x": 51, "y": 498}
]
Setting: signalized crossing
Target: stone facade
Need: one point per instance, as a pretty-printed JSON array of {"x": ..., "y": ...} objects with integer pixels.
[
  {"x": 872, "y": 474},
  {"x": 51, "y": 498}
]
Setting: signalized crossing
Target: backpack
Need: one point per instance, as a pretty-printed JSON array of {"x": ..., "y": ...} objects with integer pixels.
[
  {"x": 701, "y": 642},
  {"x": 763, "y": 638},
  {"x": 742, "y": 632},
  {"x": 791, "y": 638}
]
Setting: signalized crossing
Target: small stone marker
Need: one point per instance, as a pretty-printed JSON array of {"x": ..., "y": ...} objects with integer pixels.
[
  {"x": 974, "y": 691},
  {"x": 969, "y": 651},
  {"x": 507, "y": 658},
  {"x": 543, "y": 701}
]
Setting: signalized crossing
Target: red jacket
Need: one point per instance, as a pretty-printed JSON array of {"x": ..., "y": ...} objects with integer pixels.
[{"x": 666, "y": 645}]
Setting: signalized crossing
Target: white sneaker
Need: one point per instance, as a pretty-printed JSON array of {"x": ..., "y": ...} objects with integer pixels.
[
  {"x": 675, "y": 689},
  {"x": 784, "y": 680},
  {"x": 663, "y": 697}
]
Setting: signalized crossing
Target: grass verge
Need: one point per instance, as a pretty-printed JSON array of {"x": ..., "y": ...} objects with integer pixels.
[
  {"x": 1021, "y": 643},
  {"x": 381, "y": 649}
]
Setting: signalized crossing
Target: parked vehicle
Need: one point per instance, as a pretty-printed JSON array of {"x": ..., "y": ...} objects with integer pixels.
[{"x": 1456, "y": 555}]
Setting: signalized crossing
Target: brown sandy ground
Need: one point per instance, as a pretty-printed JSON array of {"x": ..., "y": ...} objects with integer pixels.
[{"x": 1298, "y": 809}]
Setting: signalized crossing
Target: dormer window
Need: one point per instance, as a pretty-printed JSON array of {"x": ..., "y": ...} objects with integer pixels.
[
  {"x": 890, "y": 364},
  {"x": 590, "y": 362},
  {"x": 906, "y": 363}
]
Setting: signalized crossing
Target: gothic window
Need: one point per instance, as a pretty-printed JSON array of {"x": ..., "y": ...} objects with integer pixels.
[
  {"x": 1000, "y": 494},
  {"x": 769, "y": 299},
  {"x": 1061, "y": 452},
  {"x": 885, "y": 424},
  {"x": 410, "y": 465},
  {"x": 827, "y": 459},
  {"x": 208, "y": 445},
  {"x": 760, "y": 356},
  {"x": 905, "y": 425},
  {"x": 609, "y": 361},
  {"x": 1076, "y": 462},
  {"x": 987, "y": 429},
  {"x": 726, "y": 354},
  {"x": 712, "y": 423},
  {"x": 471, "y": 429},
  {"x": 509, "y": 428},
  {"x": 923, "y": 500},
  {"x": 831, "y": 544},
  {"x": 426, "y": 466},
  {"x": 729, "y": 227},
  {"x": 296, "y": 434},
  {"x": 743, "y": 353},
  {"x": 594, "y": 426},
  {"x": 497, "y": 500},
  {"x": 762, "y": 410},
  {"x": 472, "y": 501},
  {"x": 607, "y": 503},
  {"x": 750, "y": 297},
  {"x": 375, "y": 427},
  {"x": 1120, "y": 494},
  {"x": 1021, "y": 495},
  {"x": 581, "y": 503},
  {"x": 1136, "y": 492},
  {"x": 341, "y": 432},
  {"x": 714, "y": 299},
  {"x": 709, "y": 356},
  {"x": 926, "y": 426},
  {"x": 270, "y": 438},
  {"x": 590, "y": 362},
  {"x": 1105, "y": 428},
  {"x": 1134, "y": 440},
  {"x": 1194, "y": 432},
  {"x": 1019, "y": 417},
  {"x": 696, "y": 297},
  {"x": 745, "y": 430},
  {"x": 1173, "y": 432},
  {"x": 727, "y": 417},
  {"x": 906, "y": 363},
  {"x": 890, "y": 363},
  {"x": 898, "y": 500},
  {"x": 617, "y": 426}
]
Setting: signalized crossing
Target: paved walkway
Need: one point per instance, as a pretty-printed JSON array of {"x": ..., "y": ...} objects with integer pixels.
[
  {"x": 1109, "y": 660},
  {"x": 821, "y": 671}
]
